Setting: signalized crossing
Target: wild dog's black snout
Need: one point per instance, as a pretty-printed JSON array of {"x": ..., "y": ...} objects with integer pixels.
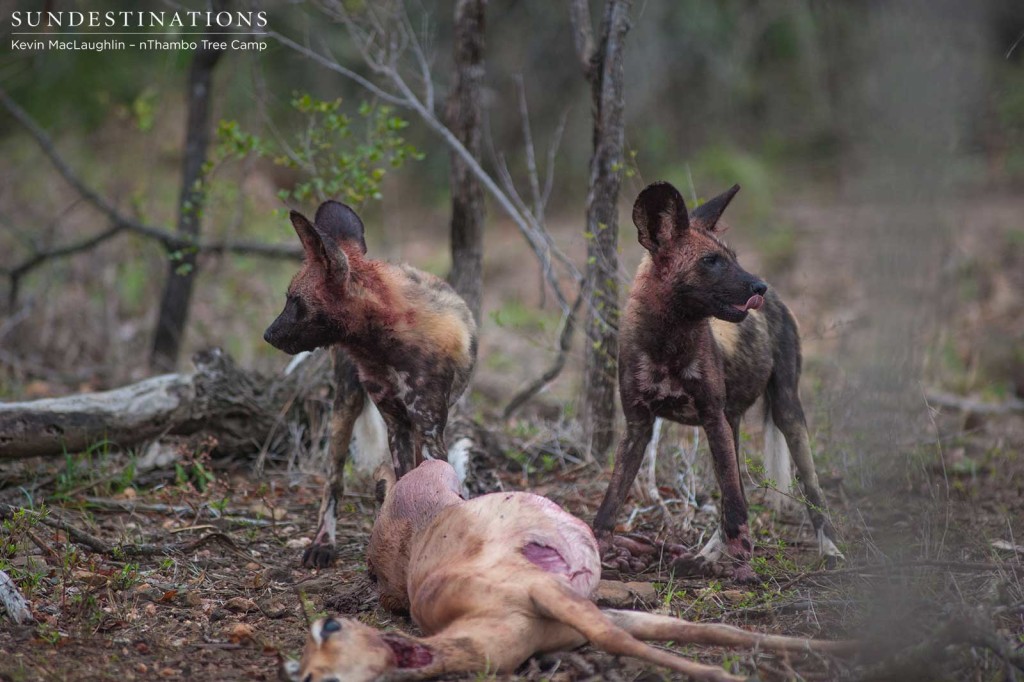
[
  {"x": 758, "y": 287},
  {"x": 267, "y": 337}
]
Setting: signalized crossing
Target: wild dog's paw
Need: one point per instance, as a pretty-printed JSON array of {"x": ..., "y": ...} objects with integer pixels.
[
  {"x": 693, "y": 565},
  {"x": 319, "y": 555},
  {"x": 635, "y": 553}
]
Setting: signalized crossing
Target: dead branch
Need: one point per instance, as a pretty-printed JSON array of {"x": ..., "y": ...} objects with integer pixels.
[
  {"x": 955, "y": 402},
  {"x": 15, "y": 604},
  {"x": 240, "y": 409}
]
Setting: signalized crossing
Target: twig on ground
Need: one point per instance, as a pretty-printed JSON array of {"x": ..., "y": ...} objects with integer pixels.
[{"x": 125, "y": 549}]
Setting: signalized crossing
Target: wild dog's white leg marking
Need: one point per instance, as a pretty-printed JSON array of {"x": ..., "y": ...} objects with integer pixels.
[
  {"x": 458, "y": 457},
  {"x": 369, "y": 440},
  {"x": 714, "y": 549},
  {"x": 328, "y": 521},
  {"x": 648, "y": 481},
  {"x": 777, "y": 464},
  {"x": 826, "y": 547}
]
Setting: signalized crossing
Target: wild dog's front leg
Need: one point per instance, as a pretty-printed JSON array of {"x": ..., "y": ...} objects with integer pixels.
[
  {"x": 349, "y": 398},
  {"x": 626, "y": 553},
  {"x": 737, "y": 543},
  {"x": 400, "y": 438}
]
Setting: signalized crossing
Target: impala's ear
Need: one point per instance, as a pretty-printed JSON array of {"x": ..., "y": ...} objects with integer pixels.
[
  {"x": 707, "y": 214},
  {"x": 659, "y": 214},
  {"x": 410, "y": 653},
  {"x": 337, "y": 222},
  {"x": 320, "y": 247}
]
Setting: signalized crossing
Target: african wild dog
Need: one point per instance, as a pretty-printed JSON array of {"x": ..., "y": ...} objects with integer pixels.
[
  {"x": 492, "y": 581},
  {"x": 398, "y": 335},
  {"x": 700, "y": 341}
]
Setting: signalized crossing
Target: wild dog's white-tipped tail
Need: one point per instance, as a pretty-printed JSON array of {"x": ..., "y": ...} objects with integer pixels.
[
  {"x": 778, "y": 468},
  {"x": 369, "y": 440},
  {"x": 458, "y": 457}
]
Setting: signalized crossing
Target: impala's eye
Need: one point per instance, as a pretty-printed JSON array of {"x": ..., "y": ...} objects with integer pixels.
[
  {"x": 710, "y": 260},
  {"x": 330, "y": 625}
]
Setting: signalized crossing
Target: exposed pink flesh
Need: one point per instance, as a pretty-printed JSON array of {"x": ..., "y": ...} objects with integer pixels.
[{"x": 753, "y": 303}]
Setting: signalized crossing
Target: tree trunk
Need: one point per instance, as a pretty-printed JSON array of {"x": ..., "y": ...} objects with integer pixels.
[
  {"x": 603, "y": 68},
  {"x": 463, "y": 117},
  {"x": 241, "y": 409},
  {"x": 177, "y": 295}
]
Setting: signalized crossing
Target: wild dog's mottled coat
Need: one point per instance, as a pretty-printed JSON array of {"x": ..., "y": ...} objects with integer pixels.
[
  {"x": 701, "y": 340},
  {"x": 402, "y": 335}
]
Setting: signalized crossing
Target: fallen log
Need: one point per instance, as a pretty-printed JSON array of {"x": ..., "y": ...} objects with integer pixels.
[
  {"x": 243, "y": 410},
  {"x": 14, "y": 604}
]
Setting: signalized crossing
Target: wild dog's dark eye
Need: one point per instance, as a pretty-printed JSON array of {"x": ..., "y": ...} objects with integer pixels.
[
  {"x": 298, "y": 305},
  {"x": 710, "y": 260}
]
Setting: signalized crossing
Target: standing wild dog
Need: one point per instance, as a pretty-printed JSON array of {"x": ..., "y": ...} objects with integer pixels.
[
  {"x": 701, "y": 340},
  {"x": 401, "y": 336}
]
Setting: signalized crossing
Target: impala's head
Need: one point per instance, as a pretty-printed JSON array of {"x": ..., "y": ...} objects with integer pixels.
[
  {"x": 699, "y": 273},
  {"x": 344, "y": 650},
  {"x": 314, "y": 308}
]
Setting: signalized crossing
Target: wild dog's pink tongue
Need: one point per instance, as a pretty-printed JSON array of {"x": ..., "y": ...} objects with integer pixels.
[{"x": 753, "y": 303}]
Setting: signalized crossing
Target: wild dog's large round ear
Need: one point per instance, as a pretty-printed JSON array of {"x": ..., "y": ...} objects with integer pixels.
[
  {"x": 338, "y": 222},
  {"x": 706, "y": 215},
  {"x": 307, "y": 235},
  {"x": 659, "y": 213},
  {"x": 318, "y": 248}
]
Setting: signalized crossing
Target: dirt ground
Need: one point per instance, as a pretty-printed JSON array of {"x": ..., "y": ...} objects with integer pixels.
[{"x": 192, "y": 572}]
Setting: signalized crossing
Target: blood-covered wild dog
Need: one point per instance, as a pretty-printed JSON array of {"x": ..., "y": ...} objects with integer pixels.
[
  {"x": 492, "y": 581},
  {"x": 400, "y": 336},
  {"x": 700, "y": 341}
]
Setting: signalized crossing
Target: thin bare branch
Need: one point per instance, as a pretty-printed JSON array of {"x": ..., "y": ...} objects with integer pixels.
[
  {"x": 556, "y": 141},
  {"x": 531, "y": 158},
  {"x": 564, "y": 345},
  {"x": 583, "y": 35},
  {"x": 120, "y": 222},
  {"x": 335, "y": 66},
  {"x": 421, "y": 58}
]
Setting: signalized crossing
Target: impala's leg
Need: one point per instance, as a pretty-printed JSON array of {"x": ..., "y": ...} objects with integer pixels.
[
  {"x": 558, "y": 602},
  {"x": 653, "y": 627}
]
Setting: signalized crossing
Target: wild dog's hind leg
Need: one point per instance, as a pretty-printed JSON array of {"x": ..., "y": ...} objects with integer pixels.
[
  {"x": 788, "y": 415},
  {"x": 349, "y": 398}
]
